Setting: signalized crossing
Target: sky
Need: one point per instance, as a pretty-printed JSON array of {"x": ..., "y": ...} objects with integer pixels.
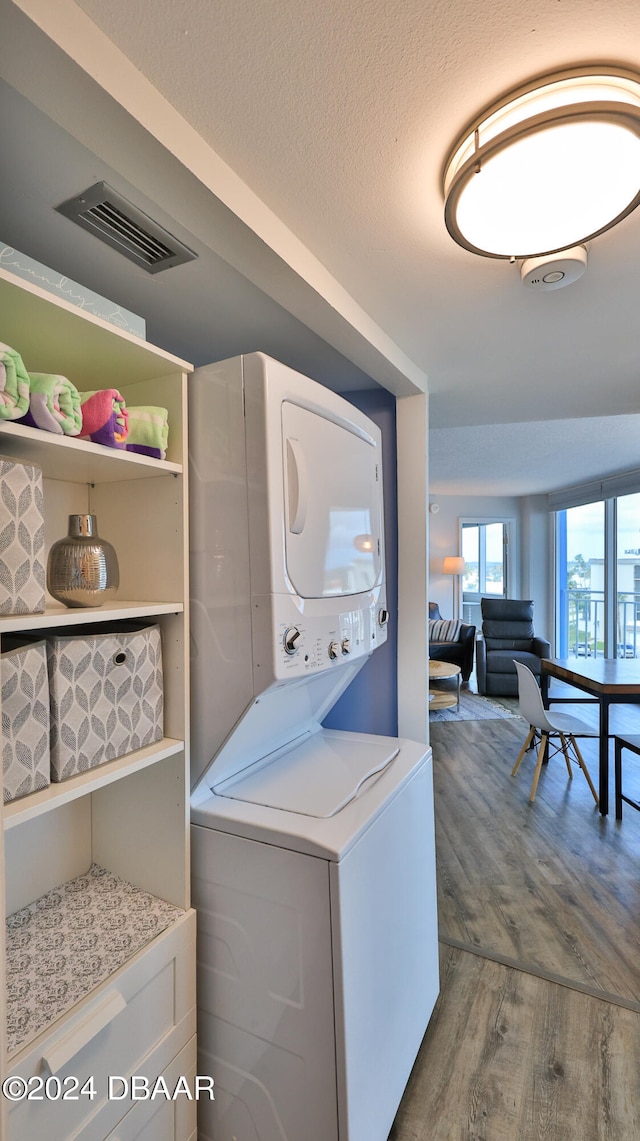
[{"x": 585, "y": 528}]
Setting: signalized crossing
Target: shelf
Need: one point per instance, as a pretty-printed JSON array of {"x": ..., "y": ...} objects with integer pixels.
[
  {"x": 78, "y": 461},
  {"x": 28, "y": 807},
  {"x": 129, "y": 815},
  {"x": 440, "y": 700},
  {"x": 54, "y": 336},
  {"x": 55, "y": 616}
]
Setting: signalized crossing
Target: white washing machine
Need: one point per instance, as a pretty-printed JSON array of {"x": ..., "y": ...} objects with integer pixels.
[{"x": 312, "y": 850}]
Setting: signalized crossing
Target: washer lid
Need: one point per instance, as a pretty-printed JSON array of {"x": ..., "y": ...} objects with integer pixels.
[{"x": 317, "y": 778}]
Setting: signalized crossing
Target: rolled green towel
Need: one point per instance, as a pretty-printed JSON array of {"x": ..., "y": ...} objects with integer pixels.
[
  {"x": 148, "y": 431},
  {"x": 54, "y": 405},
  {"x": 14, "y": 384}
]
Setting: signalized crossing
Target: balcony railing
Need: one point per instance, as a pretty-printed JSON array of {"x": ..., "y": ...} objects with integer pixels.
[{"x": 582, "y": 615}]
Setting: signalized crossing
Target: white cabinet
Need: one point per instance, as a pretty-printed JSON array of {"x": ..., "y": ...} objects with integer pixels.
[
  {"x": 138, "y": 1023},
  {"x": 128, "y": 815}
]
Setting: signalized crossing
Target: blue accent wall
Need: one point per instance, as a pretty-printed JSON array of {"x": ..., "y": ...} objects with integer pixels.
[{"x": 370, "y": 704}]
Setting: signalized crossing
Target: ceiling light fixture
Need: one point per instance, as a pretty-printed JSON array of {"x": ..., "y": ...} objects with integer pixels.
[{"x": 550, "y": 166}]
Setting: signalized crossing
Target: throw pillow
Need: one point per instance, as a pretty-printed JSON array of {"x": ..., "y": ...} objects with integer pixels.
[{"x": 444, "y": 629}]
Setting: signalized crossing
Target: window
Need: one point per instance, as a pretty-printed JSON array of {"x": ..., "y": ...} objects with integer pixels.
[
  {"x": 484, "y": 550},
  {"x": 484, "y": 545},
  {"x": 580, "y": 581},
  {"x": 598, "y": 579},
  {"x": 628, "y": 576}
]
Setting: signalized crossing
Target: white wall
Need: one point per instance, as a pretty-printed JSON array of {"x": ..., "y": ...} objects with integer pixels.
[
  {"x": 537, "y": 561},
  {"x": 413, "y": 579},
  {"x": 532, "y": 555},
  {"x": 444, "y": 535}
]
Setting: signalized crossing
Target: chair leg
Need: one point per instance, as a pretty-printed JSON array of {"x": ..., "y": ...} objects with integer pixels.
[
  {"x": 536, "y": 774},
  {"x": 583, "y": 766},
  {"x": 523, "y": 750},
  {"x": 565, "y": 751}
]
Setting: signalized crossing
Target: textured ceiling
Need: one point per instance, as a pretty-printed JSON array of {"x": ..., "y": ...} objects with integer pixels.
[
  {"x": 532, "y": 458},
  {"x": 340, "y": 116}
]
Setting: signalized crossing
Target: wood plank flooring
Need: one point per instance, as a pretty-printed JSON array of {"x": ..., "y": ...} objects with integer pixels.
[
  {"x": 511, "y": 1057},
  {"x": 536, "y": 1034}
]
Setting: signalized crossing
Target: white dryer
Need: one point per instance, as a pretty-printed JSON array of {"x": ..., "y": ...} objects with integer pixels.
[{"x": 312, "y": 850}]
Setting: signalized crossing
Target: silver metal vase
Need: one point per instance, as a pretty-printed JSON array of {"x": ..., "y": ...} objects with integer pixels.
[{"x": 82, "y": 569}]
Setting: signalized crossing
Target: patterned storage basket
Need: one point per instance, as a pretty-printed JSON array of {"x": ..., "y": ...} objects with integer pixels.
[
  {"x": 25, "y": 719},
  {"x": 106, "y": 695},
  {"x": 22, "y": 561}
]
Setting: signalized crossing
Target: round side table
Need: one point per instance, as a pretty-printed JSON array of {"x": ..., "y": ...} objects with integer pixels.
[{"x": 441, "y": 698}]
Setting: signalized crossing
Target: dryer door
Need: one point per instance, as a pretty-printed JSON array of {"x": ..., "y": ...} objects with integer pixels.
[{"x": 333, "y": 505}]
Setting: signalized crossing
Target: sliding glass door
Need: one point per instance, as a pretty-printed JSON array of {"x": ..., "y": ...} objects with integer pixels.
[
  {"x": 598, "y": 579},
  {"x": 580, "y": 569},
  {"x": 628, "y": 576}
]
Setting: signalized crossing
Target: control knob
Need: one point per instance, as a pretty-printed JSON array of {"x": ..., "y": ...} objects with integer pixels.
[
  {"x": 290, "y": 639},
  {"x": 346, "y": 645},
  {"x": 383, "y": 617},
  {"x": 334, "y": 650}
]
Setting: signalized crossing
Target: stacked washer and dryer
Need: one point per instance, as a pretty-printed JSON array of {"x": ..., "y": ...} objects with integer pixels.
[{"x": 312, "y": 849}]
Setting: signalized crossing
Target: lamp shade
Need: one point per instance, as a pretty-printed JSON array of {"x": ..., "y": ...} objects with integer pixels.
[
  {"x": 550, "y": 166},
  {"x": 453, "y": 565}
]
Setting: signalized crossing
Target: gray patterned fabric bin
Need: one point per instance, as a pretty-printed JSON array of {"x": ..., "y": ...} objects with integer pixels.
[
  {"x": 22, "y": 561},
  {"x": 106, "y": 696},
  {"x": 25, "y": 719}
]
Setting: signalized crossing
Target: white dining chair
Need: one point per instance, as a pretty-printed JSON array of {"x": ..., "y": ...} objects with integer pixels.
[{"x": 547, "y": 725}]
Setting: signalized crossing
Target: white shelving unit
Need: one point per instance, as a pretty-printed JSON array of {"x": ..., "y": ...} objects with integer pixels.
[{"x": 130, "y": 815}]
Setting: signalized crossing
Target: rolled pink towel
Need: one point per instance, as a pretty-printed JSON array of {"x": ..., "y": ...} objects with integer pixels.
[{"x": 105, "y": 419}]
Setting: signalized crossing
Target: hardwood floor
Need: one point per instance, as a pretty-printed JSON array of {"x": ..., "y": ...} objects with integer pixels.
[
  {"x": 512, "y": 1057},
  {"x": 536, "y": 1033}
]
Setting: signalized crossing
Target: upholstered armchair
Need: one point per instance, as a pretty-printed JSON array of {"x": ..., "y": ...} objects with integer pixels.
[
  {"x": 451, "y": 641},
  {"x": 507, "y": 637}
]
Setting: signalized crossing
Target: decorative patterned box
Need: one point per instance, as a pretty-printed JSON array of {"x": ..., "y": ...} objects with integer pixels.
[
  {"x": 25, "y": 719},
  {"x": 106, "y": 695},
  {"x": 22, "y": 562}
]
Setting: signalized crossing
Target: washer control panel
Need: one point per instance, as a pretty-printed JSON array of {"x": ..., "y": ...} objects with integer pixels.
[{"x": 303, "y": 642}]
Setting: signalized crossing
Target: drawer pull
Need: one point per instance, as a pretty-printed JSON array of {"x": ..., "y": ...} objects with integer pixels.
[{"x": 68, "y": 1045}]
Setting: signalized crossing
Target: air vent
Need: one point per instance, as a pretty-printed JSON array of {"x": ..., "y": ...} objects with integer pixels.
[{"x": 110, "y": 217}]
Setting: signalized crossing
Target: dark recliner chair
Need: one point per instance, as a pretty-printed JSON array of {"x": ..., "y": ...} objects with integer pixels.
[
  {"x": 507, "y": 636},
  {"x": 458, "y": 653}
]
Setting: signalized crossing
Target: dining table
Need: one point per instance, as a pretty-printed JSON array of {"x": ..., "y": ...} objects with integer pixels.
[{"x": 608, "y": 681}]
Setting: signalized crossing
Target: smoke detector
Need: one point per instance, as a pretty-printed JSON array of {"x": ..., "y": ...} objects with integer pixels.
[{"x": 554, "y": 271}]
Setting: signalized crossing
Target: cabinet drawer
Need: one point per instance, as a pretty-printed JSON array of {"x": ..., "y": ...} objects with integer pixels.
[
  {"x": 135, "y": 1024},
  {"x": 163, "y": 1120}
]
